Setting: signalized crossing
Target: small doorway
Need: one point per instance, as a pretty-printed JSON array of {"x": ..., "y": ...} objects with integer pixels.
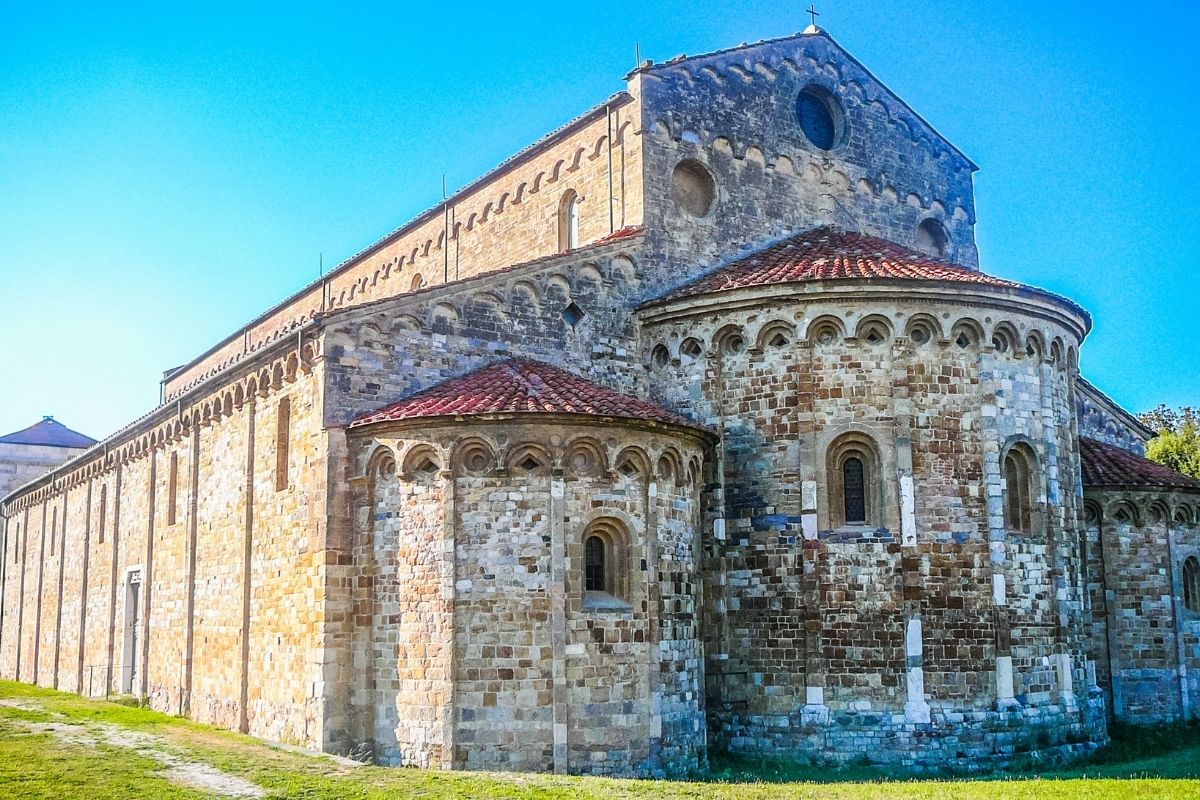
[{"x": 130, "y": 677}]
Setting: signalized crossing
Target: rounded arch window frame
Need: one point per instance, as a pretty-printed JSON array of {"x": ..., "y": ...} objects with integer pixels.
[
  {"x": 616, "y": 581},
  {"x": 1023, "y": 457},
  {"x": 1189, "y": 574},
  {"x": 568, "y": 221},
  {"x": 842, "y": 448}
]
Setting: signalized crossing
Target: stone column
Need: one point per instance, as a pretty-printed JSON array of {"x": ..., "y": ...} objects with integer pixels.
[
  {"x": 247, "y": 555},
  {"x": 112, "y": 583},
  {"x": 558, "y": 618},
  {"x": 24, "y": 545},
  {"x": 1055, "y": 515},
  {"x": 1177, "y": 621},
  {"x": 37, "y": 621},
  {"x": 997, "y": 534},
  {"x": 449, "y": 594},
  {"x": 653, "y": 602},
  {"x": 916, "y": 709},
  {"x": 148, "y": 582},
  {"x": 189, "y": 612},
  {"x": 83, "y": 587},
  {"x": 815, "y": 710},
  {"x": 62, "y": 562}
]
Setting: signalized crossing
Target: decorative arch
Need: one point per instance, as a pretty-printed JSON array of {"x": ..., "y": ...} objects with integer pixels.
[
  {"x": 1157, "y": 512},
  {"x": 932, "y": 237},
  {"x": 660, "y": 356},
  {"x": 1005, "y": 339},
  {"x": 730, "y": 340},
  {"x": 585, "y": 458},
  {"x": 670, "y": 466},
  {"x": 529, "y": 459},
  {"x": 381, "y": 467},
  {"x": 1126, "y": 513},
  {"x": 826, "y": 330},
  {"x": 775, "y": 334},
  {"x": 474, "y": 456},
  {"x": 966, "y": 333},
  {"x": 632, "y": 462},
  {"x": 873, "y": 330},
  {"x": 923, "y": 329},
  {"x": 1035, "y": 346},
  {"x": 421, "y": 464},
  {"x": 691, "y": 349}
]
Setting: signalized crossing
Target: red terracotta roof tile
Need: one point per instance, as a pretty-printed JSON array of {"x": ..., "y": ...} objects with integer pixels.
[
  {"x": 621, "y": 233},
  {"x": 520, "y": 386},
  {"x": 1108, "y": 466},
  {"x": 830, "y": 253}
]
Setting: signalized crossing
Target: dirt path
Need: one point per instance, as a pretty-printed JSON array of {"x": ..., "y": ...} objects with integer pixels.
[{"x": 193, "y": 774}]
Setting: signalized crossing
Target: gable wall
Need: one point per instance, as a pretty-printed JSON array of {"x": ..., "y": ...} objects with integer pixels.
[{"x": 735, "y": 113}]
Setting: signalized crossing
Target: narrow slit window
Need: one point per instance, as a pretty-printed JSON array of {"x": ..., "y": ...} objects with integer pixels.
[
  {"x": 103, "y": 510},
  {"x": 568, "y": 222},
  {"x": 854, "y": 490},
  {"x": 282, "y": 442},
  {"x": 53, "y": 528},
  {"x": 173, "y": 489},
  {"x": 594, "y": 565}
]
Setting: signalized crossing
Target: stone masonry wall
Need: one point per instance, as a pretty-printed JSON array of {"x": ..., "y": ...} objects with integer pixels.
[
  {"x": 735, "y": 113},
  {"x": 377, "y": 355},
  {"x": 510, "y": 216},
  {"x": 545, "y": 676},
  {"x": 835, "y": 640},
  {"x": 1144, "y": 641},
  {"x": 189, "y": 517}
]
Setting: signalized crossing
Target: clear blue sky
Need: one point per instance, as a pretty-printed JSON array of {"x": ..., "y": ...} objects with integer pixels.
[{"x": 166, "y": 174}]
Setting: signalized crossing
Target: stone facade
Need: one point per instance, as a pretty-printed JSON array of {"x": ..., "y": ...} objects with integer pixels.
[{"x": 866, "y": 535}]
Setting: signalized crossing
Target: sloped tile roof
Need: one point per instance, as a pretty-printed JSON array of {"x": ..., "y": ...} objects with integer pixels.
[
  {"x": 49, "y": 433},
  {"x": 831, "y": 253},
  {"x": 1108, "y": 466},
  {"x": 519, "y": 386}
]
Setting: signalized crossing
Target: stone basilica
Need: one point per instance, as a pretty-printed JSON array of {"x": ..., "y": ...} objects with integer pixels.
[{"x": 694, "y": 425}]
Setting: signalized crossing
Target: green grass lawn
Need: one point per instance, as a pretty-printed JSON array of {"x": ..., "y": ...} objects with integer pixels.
[{"x": 60, "y": 746}]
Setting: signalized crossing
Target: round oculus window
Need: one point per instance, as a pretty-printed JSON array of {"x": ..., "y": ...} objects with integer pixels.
[
  {"x": 820, "y": 117},
  {"x": 694, "y": 188}
]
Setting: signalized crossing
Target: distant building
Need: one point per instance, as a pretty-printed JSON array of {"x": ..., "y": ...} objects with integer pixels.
[{"x": 34, "y": 451}]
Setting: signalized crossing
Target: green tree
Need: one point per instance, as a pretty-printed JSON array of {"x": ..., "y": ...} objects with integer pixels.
[{"x": 1177, "y": 444}]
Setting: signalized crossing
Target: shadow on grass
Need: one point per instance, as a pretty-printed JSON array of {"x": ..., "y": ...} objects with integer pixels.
[{"x": 1135, "y": 752}]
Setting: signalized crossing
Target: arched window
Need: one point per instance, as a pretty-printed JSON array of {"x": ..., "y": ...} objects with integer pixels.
[
  {"x": 605, "y": 560},
  {"x": 1191, "y": 584},
  {"x": 853, "y": 475},
  {"x": 595, "y": 569},
  {"x": 854, "y": 491},
  {"x": 568, "y": 221},
  {"x": 1019, "y": 469}
]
